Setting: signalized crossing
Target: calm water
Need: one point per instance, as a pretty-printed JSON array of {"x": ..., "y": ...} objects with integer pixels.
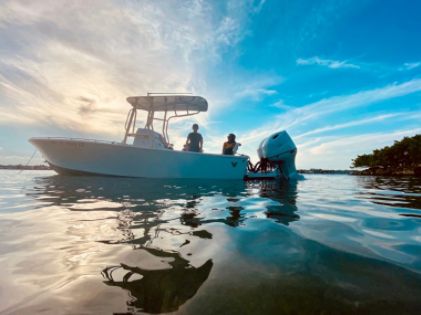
[{"x": 94, "y": 245}]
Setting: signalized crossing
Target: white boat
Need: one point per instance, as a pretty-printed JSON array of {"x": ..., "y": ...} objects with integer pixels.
[{"x": 150, "y": 154}]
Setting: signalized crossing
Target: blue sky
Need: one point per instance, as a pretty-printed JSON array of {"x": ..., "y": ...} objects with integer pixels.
[{"x": 342, "y": 77}]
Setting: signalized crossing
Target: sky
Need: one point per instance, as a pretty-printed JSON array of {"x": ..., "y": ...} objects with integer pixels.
[{"x": 341, "y": 77}]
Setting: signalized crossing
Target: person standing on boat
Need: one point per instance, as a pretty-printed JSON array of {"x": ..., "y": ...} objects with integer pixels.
[
  {"x": 230, "y": 147},
  {"x": 194, "y": 141}
]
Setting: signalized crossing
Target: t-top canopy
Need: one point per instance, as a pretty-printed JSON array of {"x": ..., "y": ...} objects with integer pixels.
[{"x": 169, "y": 102}]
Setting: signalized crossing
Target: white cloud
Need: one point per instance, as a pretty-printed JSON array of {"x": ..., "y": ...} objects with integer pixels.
[
  {"x": 316, "y": 111},
  {"x": 105, "y": 51},
  {"x": 338, "y": 152},
  {"x": 334, "y": 104},
  {"x": 258, "y": 88},
  {"x": 353, "y": 123},
  {"x": 410, "y": 65},
  {"x": 69, "y": 72},
  {"x": 281, "y": 105},
  {"x": 73, "y": 70},
  {"x": 258, "y": 5},
  {"x": 330, "y": 63},
  {"x": 13, "y": 158}
]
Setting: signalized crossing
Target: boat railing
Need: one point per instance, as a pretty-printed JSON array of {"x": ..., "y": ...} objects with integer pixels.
[{"x": 80, "y": 139}]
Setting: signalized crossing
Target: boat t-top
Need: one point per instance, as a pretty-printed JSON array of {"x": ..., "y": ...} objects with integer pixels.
[{"x": 145, "y": 152}]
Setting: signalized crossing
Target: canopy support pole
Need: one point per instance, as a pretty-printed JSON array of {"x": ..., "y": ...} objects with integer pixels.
[{"x": 129, "y": 124}]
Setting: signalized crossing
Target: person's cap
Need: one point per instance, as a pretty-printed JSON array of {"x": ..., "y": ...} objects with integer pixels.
[{"x": 231, "y": 135}]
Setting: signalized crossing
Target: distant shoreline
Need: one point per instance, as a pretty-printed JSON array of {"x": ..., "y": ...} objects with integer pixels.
[
  {"x": 43, "y": 167},
  {"x": 366, "y": 172},
  {"x": 322, "y": 171},
  {"x": 25, "y": 167},
  {"x": 393, "y": 172}
]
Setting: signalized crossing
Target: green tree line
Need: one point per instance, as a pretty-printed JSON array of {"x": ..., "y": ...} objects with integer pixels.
[{"x": 402, "y": 154}]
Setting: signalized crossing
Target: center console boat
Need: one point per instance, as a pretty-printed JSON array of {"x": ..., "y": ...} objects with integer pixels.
[{"x": 145, "y": 152}]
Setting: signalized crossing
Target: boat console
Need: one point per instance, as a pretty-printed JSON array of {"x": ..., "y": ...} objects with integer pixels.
[{"x": 147, "y": 138}]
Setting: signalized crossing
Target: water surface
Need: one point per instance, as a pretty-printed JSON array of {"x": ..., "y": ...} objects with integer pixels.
[{"x": 331, "y": 244}]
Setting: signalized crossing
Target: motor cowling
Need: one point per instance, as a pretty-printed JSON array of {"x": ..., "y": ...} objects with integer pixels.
[{"x": 279, "y": 149}]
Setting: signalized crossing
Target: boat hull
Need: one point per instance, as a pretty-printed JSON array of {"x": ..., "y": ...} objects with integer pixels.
[{"x": 91, "y": 157}]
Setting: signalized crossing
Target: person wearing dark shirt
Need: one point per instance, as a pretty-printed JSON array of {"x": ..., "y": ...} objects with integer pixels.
[
  {"x": 194, "y": 141},
  {"x": 230, "y": 146}
]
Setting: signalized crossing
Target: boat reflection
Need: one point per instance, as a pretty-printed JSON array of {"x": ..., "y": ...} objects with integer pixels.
[
  {"x": 158, "y": 291},
  {"x": 286, "y": 194},
  {"x": 160, "y": 218},
  {"x": 141, "y": 202},
  {"x": 282, "y": 211}
]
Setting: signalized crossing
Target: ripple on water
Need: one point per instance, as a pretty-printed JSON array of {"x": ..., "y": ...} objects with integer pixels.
[{"x": 341, "y": 244}]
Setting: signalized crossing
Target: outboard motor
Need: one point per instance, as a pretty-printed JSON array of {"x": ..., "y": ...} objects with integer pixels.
[{"x": 280, "y": 151}]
